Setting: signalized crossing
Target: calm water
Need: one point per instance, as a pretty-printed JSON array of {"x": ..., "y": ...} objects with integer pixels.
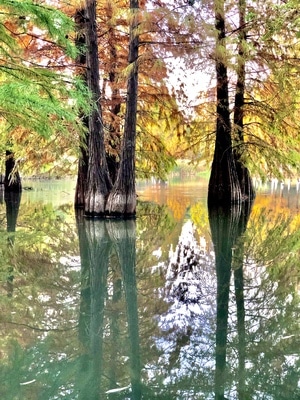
[{"x": 180, "y": 304}]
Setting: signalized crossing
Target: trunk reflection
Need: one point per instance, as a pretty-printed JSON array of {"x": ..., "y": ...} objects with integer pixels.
[
  {"x": 12, "y": 202},
  {"x": 227, "y": 226},
  {"x": 108, "y": 259}
]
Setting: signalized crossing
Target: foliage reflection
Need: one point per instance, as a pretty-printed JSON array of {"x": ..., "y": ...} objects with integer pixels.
[{"x": 150, "y": 309}]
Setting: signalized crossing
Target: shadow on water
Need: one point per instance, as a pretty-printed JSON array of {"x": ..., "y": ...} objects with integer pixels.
[
  {"x": 227, "y": 227},
  {"x": 107, "y": 248}
]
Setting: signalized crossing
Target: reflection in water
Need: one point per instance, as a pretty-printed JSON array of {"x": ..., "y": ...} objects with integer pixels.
[
  {"x": 227, "y": 225},
  {"x": 139, "y": 305},
  {"x": 107, "y": 246},
  {"x": 12, "y": 202}
]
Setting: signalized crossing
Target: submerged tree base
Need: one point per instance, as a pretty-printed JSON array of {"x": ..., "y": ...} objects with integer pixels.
[
  {"x": 95, "y": 204},
  {"x": 116, "y": 205},
  {"x": 115, "y": 216},
  {"x": 121, "y": 205},
  {"x": 223, "y": 187},
  {"x": 230, "y": 183},
  {"x": 247, "y": 188}
]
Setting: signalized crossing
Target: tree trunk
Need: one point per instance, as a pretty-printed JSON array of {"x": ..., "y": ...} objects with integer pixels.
[
  {"x": 122, "y": 199},
  {"x": 80, "y": 43},
  {"x": 12, "y": 180},
  {"x": 82, "y": 172},
  {"x": 223, "y": 184},
  {"x": 244, "y": 178},
  {"x": 98, "y": 180},
  {"x": 113, "y": 152}
]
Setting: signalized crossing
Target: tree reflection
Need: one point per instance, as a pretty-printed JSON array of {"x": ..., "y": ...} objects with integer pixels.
[
  {"x": 227, "y": 225},
  {"x": 96, "y": 326},
  {"x": 108, "y": 259},
  {"x": 12, "y": 203},
  {"x": 94, "y": 250}
]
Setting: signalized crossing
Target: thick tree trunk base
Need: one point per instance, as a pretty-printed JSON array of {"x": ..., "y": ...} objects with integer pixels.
[
  {"x": 224, "y": 188},
  {"x": 81, "y": 178},
  {"x": 95, "y": 205},
  {"x": 120, "y": 205},
  {"x": 80, "y": 190},
  {"x": 246, "y": 185}
]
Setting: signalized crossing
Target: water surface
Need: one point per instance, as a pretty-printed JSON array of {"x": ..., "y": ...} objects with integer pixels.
[{"x": 180, "y": 304}]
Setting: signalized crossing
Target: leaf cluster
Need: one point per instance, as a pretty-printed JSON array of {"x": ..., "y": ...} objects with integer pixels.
[{"x": 36, "y": 101}]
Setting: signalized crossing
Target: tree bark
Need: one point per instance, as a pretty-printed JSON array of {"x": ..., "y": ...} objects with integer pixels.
[
  {"x": 122, "y": 199},
  {"x": 98, "y": 180},
  {"x": 223, "y": 184},
  {"x": 82, "y": 172},
  {"x": 247, "y": 189},
  {"x": 12, "y": 179},
  {"x": 114, "y": 148}
]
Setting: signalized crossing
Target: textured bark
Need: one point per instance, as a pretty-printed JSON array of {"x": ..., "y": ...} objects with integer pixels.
[
  {"x": 223, "y": 184},
  {"x": 82, "y": 172},
  {"x": 12, "y": 179},
  {"x": 114, "y": 149},
  {"x": 80, "y": 43},
  {"x": 98, "y": 180},
  {"x": 122, "y": 199},
  {"x": 247, "y": 189}
]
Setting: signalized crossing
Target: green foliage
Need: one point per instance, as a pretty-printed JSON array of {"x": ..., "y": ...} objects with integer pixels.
[
  {"x": 274, "y": 240},
  {"x": 27, "y": 12},
  {"x": 153, "y": 157},
  {"x": 28, "y": 104},
  {"x": 35, "y": 100}
]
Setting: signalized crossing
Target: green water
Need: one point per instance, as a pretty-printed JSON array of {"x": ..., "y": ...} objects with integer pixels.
[{"x": 180, "y": 304}]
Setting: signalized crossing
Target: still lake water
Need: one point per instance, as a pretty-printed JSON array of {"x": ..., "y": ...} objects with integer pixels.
[{"x": 180, "y": 304}]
